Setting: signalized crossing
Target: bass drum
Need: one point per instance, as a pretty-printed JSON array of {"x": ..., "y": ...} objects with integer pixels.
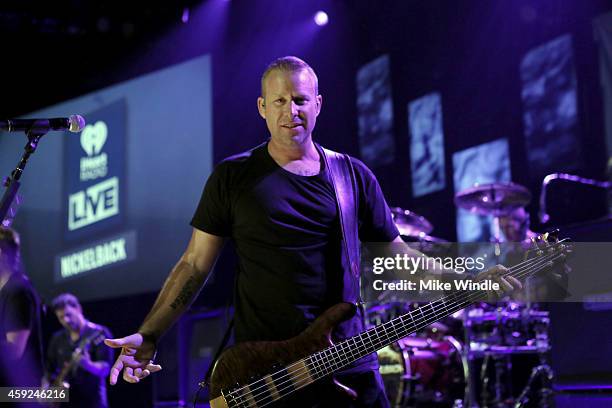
[{"x": 421, "y": 372}]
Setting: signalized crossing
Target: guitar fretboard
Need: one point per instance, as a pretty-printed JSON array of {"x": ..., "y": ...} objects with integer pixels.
[{"x": 340, "y": 355}]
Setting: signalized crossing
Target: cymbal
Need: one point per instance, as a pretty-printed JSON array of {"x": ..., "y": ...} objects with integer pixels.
[
  {"x": 410, "y": 224},
  {"x": 495, "y": 199},
  {"x": 424, "y": 238}
]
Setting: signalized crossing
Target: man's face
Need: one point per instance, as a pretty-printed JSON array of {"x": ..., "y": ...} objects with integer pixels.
[
  {"x": 514, "y": 225},
  {"x": 289, "y": 106},
  {"x": 71, "y": 318}
]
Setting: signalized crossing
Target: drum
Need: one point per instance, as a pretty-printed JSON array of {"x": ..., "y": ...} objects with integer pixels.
[
  {"x": 506, "y": 329},
  {"x": 419, "y": 371}
]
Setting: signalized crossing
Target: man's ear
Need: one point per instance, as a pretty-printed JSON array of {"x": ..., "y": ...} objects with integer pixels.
[
  {"x": 319, "y": 103},
  {"x": 261, "y": 107}
]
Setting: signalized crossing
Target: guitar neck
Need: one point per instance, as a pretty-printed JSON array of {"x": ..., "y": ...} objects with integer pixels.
[
  {"x": 59, "y": 380},
  {"x": 340, "y": 355}
]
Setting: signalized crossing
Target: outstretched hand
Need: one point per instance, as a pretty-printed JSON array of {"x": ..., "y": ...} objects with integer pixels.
[{"x": 136, "y": 358}]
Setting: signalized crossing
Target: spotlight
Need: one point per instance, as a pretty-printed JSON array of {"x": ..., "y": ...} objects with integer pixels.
[
  {"x": 185, "y": 16},
  {"x": 321, "y": 18}
]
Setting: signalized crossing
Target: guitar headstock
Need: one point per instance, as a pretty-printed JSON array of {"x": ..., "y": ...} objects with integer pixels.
[{"x": 548, "y": 243}]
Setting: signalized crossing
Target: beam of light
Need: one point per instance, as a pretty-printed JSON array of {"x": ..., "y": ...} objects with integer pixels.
[{"x": 185, "y": 16}]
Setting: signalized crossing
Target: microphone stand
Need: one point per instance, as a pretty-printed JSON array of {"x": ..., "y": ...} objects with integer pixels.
[{"x": 7, "y": 208}]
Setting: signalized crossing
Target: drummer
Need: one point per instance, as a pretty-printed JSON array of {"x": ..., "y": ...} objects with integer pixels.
[
  {"x": 552, "y": 286},
  {"x": 515, "y": 226}
]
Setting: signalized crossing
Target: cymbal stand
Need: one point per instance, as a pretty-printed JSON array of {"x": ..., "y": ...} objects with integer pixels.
[{"x": 545, "y": 373}]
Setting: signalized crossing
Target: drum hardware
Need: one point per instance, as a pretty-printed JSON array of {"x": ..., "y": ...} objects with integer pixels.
[
  {"x": 545, "y": 373},
  {"x": 432, "y": 368},
  {"x": 543, "y": 215},
  {"x": 497, "y": 336}
]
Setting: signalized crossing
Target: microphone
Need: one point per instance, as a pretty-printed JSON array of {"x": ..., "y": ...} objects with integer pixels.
[{"x": 75, "y": 123}]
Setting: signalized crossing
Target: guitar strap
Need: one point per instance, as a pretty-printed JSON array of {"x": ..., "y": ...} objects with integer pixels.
[{"x": 342, "y": 176}]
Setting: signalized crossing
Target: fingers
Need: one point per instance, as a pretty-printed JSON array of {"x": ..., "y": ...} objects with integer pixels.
[
  {"x": 516, "y": 284},
  {"x": 507, "y": 283},
  {"x": 115, "y": 370},
  {"x": 153, "y": 368},
  {"x": 134, "y": 365},
  {"x": 128, "y": 375},
  {"x": 133, "y": 370},
  {"x": 133, "y": 340},
  {"x": 134, "y": 375}
]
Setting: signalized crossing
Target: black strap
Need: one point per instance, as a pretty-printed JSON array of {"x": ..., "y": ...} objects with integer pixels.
[{"x": 343, "y": 180}]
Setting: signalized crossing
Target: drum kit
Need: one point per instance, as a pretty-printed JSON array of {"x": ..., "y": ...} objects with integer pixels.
[{"x": 488, "y": 355}]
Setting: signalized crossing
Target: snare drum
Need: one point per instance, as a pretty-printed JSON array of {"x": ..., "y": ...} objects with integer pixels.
[{"x": 419, "y": 371}]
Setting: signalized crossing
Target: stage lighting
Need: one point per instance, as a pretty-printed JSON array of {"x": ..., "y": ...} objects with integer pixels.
[
  {"x": 185, "y": 16},
  {"x": 321, "y": 18}
]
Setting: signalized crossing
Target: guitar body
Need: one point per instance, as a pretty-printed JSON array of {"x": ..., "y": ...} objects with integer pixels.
[{"x": 240, "y": 363}]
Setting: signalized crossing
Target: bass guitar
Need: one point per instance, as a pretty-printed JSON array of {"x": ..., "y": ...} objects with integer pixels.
[{"x": 259, "y": 374}]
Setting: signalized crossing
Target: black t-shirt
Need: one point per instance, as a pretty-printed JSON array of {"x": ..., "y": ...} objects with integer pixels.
[
  {"x": 287, "y": 237},
  {"x": 20, "y": 310},
  {"x": 86, "y": 389}
]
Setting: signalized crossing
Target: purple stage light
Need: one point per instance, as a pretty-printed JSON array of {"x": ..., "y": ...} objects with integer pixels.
[
  {"x": 321, "y": 18},
  {"x": 185, "y": 16}
]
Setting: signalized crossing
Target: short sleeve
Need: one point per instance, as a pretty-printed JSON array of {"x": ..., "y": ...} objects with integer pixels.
[
  {"x": 20, "y": 310},
  {"x": 213, "y": 214},
  {"x": 375, "y": 219}
]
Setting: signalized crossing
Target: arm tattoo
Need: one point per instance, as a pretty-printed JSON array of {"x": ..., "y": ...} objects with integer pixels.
[{"x": 186, "y": 293}]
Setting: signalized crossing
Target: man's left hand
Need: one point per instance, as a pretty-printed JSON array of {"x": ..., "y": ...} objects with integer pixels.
[{"x": 508, "y": 284}]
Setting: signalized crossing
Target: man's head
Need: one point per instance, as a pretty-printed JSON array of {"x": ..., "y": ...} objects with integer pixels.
[
  {"x": 10, "y": 260},
  {"x": 515, "y": 225},
  {"x": 289, "y": 101},
  {"x": 69, "y": 312}
]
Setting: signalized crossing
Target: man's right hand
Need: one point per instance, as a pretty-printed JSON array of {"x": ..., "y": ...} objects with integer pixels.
[{"x": 136, "y": 358}]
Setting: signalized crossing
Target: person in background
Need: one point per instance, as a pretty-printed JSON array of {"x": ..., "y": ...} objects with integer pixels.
[
  {"x": 20, "y": 336},
  {"x": 77, "y": 357}
]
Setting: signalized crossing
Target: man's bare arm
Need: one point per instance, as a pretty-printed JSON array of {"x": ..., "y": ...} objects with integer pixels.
[
  {"x": 183, "y": 284},
  {"x": 180, "y": 289}
]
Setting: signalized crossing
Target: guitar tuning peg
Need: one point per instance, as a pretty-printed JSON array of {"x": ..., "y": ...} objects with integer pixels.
[{"x": 536, "y": 248}]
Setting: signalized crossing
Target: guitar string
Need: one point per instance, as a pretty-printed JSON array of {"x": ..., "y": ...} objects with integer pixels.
[
  {"x": 517, "y": 270},
  {"x": 305, "y": 379},
  {"x": 303, "y": 372}
]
